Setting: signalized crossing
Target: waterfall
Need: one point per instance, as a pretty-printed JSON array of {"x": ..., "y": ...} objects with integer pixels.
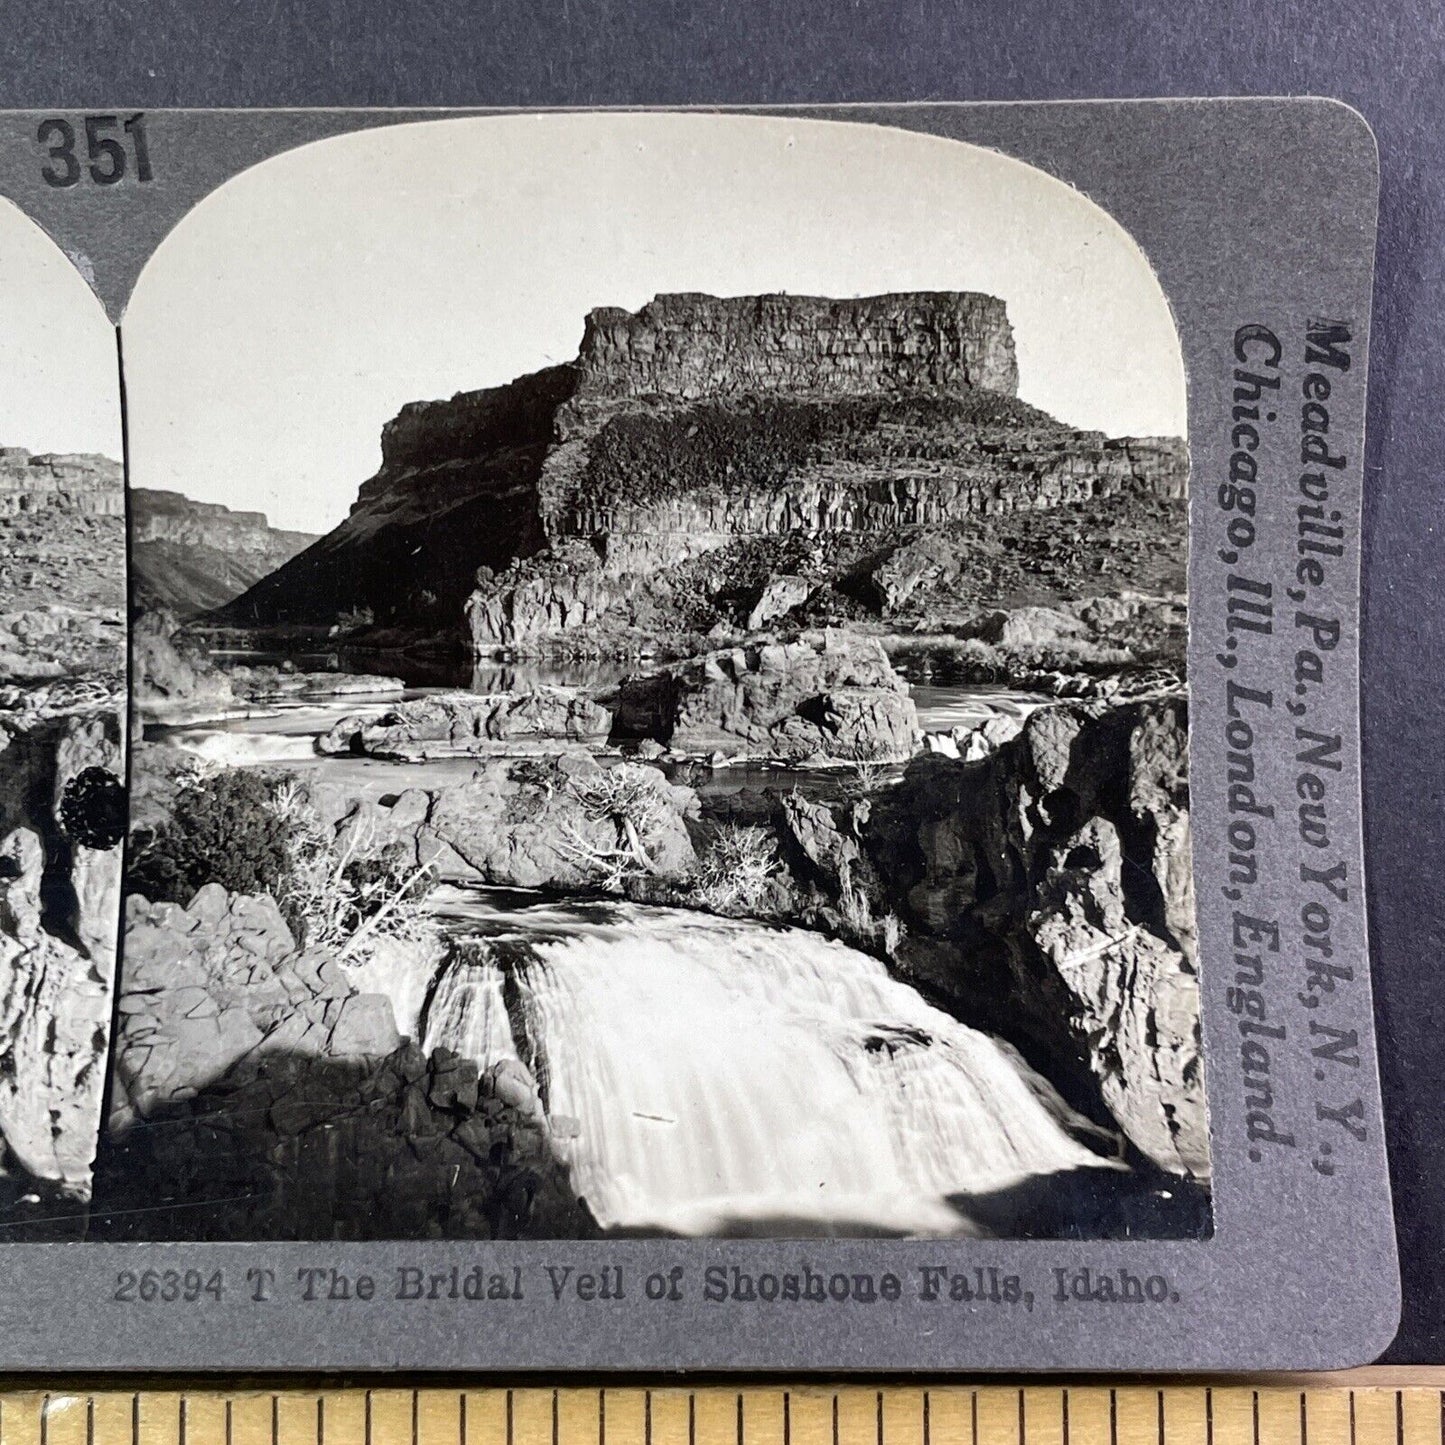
[{"x": 725, "y": 1076}]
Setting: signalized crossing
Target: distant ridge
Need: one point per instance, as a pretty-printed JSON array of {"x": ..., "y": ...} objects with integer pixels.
[{"x": 190, "y": 557}]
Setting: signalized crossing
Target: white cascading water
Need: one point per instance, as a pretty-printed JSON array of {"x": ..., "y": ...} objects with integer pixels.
[
  {"x": 729, "y": 1076},
  {"x": 231, "y": 748}
]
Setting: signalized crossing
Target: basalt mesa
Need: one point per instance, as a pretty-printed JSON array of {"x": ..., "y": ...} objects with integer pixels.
[{"x": 711, "y": 464}]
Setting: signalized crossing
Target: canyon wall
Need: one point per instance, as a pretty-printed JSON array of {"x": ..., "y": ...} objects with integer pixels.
[
  {"x": 190, "y": 556},
  {"x": 42, "y": 482},
  {"x": 680, "y": 429}
]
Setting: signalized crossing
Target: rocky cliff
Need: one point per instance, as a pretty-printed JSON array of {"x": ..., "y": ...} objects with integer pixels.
[
  {"x": 62, "y": 565},
  {"x": 569, "y": 499},
  {"x": 62, "y": 818},
  {"x": 55, "y": 482},
  {"x": 191, "y": 556},
  {"x": 1046, "y": 893}
]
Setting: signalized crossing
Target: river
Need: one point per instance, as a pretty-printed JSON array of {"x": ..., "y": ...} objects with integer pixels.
[{"x": 706, "y": 1076}]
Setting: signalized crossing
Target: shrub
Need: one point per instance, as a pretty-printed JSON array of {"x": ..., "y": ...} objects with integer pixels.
[
  {"x": 223, "y": 830},
  {"x": 341, "y": 898},
  {"x": 627, "y": 798},
  {"x": 255, "y": 832},
  {"x": 737, "y": 870}
]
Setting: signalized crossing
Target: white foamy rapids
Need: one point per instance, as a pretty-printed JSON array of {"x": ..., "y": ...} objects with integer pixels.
[
  {"x": 240, "y": 749},
  {"x": 940, "y": 709},
  {"x": 726, "y": 1075}
]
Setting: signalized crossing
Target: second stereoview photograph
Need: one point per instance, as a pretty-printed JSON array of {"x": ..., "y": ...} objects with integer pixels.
[{"x": 659, "y": 703}]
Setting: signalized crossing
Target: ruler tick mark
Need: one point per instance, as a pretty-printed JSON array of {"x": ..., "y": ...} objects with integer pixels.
[
  {"x": 509, "y": 1417},
  {"x": 928, "y": 1423},
  {"x": 740, "y": 1418},
  {"x": 556, "y": 1417}
]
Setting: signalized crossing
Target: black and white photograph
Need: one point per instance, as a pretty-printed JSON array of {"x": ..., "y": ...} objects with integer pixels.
[
  {"x": 62, "y": 718},
  {"x": 659, "y": 644}
]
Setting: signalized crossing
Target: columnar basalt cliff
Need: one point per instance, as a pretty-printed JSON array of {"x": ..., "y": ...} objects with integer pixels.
[
  {"x": 192, "y": 556},
  {"x": 514, "y": 516}
]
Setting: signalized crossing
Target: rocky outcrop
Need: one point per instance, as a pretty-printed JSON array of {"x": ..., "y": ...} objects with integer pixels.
[
  {"x": 1046, "y": 893},
  {"x": 62, "y": 819},
  {"x": 191, "y": 556},
  {"x": 169, "y": 677},
  {"x": 62, "y": 566},
  {"x": 468, "y": 723},
  {"x": 691, "y": 345},
  {"x": 680, "y": 429},
  {"x": 221, "y": 979},
  {"x": 81, "y": 484},
  {"x": 834, "y": 696},
  {"x": 260, "y": 1094},
  {"x": 42, "y": 644},
  {"x": 564, "y": 822}
]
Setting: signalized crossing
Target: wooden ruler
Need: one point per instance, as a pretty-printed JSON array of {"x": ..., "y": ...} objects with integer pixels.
[{"x": 1322, "y": 1411}]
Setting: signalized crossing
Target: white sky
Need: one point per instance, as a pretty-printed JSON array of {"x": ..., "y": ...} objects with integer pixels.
[
  {"x": 299, "y": 307},
  {"x": 59, "y": 390}
]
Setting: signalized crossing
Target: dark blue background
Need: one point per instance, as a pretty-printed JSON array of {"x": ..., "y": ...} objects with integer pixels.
[{"x": 1384, "y": 58}]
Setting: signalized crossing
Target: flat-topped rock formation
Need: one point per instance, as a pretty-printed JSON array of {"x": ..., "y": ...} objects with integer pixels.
[
  {"x": 62, "y": 482},
  {"x": 193, "y": 556},
  {"x": 690, "y": 427}
]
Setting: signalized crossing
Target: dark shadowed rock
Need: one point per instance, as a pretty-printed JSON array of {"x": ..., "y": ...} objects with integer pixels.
[{"x": 1047, "y": 891}]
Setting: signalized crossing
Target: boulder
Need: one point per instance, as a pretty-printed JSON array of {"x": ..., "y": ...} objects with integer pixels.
[
  {"x": 568, "y": 823},
  {"x": 1027, "y": 627},
  {"x": 778, "y": 598},
  {"x": 471, "y": 723},
  {"x": 834, "y": 695},
  {"x": 365, "y": 1028}
]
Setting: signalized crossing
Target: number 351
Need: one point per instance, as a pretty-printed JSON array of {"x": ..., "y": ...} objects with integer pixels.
[{"x": 106, "y": 154}]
